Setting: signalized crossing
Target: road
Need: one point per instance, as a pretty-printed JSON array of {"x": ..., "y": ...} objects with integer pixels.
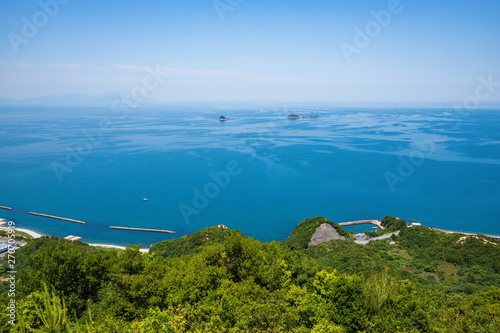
[{"x": 383, "y": 237}]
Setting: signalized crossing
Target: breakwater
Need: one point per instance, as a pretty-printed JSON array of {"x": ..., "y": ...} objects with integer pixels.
[
  {"x": 143, "y": 229},
  {"x": 57, "y": 218},
  {"x": 83, "y": 222},
  {"x": 374, "y": 222}
]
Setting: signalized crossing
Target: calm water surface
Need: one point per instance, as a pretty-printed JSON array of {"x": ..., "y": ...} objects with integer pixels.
[{"x": 94, "y": 165}]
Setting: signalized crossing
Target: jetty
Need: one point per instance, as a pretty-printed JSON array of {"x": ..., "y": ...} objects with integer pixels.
[
  {"x": 358, "y": 222},
  {"x": 57, "y": 218},
  {"x": 5, "y": 207},
  {"x": 143, "y": 229}
]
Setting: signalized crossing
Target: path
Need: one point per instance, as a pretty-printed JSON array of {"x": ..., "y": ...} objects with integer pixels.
[{"x": 383, "y": 237}]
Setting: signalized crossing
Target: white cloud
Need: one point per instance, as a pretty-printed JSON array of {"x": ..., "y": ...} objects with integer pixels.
[
  {"x": 216, "y": 73},
  {"x": 75, "y": 67}
]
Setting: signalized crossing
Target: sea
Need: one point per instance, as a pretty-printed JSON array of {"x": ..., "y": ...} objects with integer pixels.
[{"x": 179, "y": 168}]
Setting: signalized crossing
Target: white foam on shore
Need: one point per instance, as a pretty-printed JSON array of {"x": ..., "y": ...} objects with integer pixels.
[
  {"x": 35, "y": 234},
  {"x": 465, "y": 233},
  {"x": 32, "y": 233},
  {"x": 115, "y": 247}
]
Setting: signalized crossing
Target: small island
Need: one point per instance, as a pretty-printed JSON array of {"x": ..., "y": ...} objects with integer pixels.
[{"x": 222, "y": 118}]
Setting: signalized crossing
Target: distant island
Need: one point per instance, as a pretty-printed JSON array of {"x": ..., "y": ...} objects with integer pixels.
[
  {"x": 294, "y": 116},
  {"x": 222, "y": 118},
  {"x": 408, "y": 278}
]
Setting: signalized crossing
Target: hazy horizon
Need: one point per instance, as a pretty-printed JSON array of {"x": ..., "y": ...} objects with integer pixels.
[{"x": 106, "y": 100}]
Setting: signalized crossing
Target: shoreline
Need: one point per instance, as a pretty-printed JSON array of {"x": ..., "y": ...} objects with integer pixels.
[
  {"x": 109, "y": 246},
  {"x": 32, "y": 233},
  {"x": 35, "y": 234},
  {"x": 465, "y": 233}
]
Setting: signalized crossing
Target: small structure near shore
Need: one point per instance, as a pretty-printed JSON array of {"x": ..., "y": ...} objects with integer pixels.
[
  {"x": 413, "y": 224},
  {"x": 73, "y": 238}
]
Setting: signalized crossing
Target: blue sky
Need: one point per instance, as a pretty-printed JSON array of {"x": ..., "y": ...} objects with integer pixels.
[{"x": 428, "y": 51}]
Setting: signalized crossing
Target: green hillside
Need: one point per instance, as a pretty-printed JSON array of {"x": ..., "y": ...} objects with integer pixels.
[
  {"x": 192, "y": 243},
  {"x": 302, "y": 233},
  {"x": 218, "y": 280}
]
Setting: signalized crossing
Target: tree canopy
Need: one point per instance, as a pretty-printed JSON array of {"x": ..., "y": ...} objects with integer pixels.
[{"x": 219, "y": 280}]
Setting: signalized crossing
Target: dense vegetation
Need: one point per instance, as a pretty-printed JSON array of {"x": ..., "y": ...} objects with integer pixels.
[
  {"x": 218, "y": 280},
  {"x": 193, "y": 243},
  {"x": 390, "y": 223}
]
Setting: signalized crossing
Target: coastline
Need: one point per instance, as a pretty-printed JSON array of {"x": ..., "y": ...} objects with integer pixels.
[
  {"x": 109, "y": 246},
  {"x": 35, "y": 234},
  {"x": 465, "y": 233},
  {"x": 32, "y": 233}
]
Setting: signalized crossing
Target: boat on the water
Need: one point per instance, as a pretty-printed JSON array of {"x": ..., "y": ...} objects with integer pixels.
[{"x": 222, "y": 118}]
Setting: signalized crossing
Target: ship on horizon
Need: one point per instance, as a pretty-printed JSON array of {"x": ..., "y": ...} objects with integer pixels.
[{"x": 294, "y": 116}]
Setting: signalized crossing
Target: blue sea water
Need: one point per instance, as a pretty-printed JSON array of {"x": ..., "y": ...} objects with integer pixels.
[{"x": 434, "y": 165}]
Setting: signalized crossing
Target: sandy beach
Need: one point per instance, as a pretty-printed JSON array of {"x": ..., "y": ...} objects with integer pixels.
[
  {"x": 35, "y": 234},
  {"x": 116, "y": 247},
  {"x": 465, "y": 233},
  {"x": 32, "y": 233}
]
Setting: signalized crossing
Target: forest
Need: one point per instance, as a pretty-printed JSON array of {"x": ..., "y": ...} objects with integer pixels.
[{"x": 219, "y": 280}]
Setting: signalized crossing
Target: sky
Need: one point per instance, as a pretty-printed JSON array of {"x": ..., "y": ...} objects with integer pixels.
[{"x": 317, "y": 51}]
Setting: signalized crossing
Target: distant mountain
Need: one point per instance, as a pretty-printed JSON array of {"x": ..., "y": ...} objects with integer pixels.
[
  {"x": 63, "y": 100},
  {"x": 5, "y": 101}
]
